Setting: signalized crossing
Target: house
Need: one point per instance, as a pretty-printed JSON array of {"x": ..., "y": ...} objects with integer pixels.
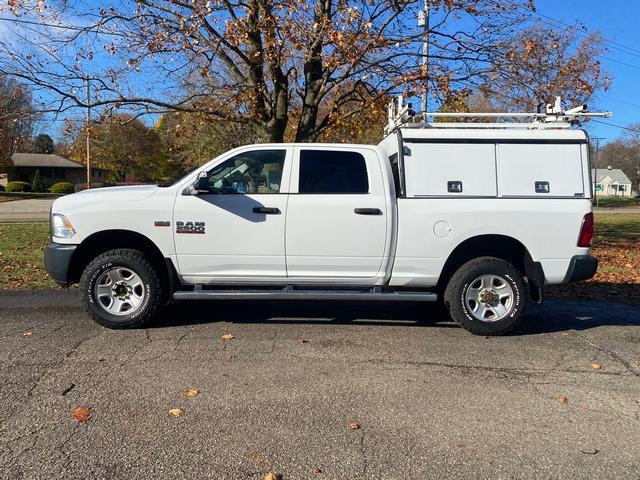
[
  {"x": 611, "y": 182},
  {"x": 53, "y": 169}
]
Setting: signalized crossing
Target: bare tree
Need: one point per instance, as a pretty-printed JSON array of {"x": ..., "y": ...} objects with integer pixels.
[
  {"x": 541, "y": 63},
  {"x": 16, "y": 118},
  {"x": 534, "y": 67}
]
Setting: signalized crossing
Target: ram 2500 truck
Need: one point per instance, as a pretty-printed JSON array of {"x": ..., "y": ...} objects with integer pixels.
[{"x": 480, "y": 219}]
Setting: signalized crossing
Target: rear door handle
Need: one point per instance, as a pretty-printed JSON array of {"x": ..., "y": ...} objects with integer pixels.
[
  {"x": 267, "y": 210},
  {"x": 367, "y": 211}
]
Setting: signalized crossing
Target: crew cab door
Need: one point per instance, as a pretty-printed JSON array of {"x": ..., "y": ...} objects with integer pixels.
[
  {"x": 235, "y": 230},
  {"x": 337, "y": 214}
]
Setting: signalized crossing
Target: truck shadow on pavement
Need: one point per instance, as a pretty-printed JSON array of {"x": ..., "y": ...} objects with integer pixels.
[{"x": 552, "y": 316}]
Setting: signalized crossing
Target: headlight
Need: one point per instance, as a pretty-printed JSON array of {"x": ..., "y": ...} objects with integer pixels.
[{"x": 61, "y": 227}]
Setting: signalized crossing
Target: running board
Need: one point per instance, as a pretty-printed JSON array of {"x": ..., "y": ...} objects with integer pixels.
[{"x": 285, "y": 294}]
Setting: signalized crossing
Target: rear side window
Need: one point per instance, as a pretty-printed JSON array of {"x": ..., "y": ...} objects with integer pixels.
[
  {"x": 395, "y": 170},
  {"x": 327, "y": 171}
]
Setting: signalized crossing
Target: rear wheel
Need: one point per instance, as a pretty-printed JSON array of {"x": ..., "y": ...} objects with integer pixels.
[
  {"x": 486, "y": 296},
  {"x": 121, "y": 289}
]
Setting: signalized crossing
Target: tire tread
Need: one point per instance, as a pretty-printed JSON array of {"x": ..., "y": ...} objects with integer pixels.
[
  {"x": 454, "y": 288},
  {"x": 134, "y": 256}
]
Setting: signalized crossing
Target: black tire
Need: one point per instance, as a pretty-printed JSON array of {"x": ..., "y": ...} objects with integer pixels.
[
  {"x": 462, "y": 311},
  {"x": 136, "y": 261}
]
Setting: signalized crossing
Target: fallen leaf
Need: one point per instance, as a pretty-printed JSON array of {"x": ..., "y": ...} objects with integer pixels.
[
  {"x": 192, "y": 392},
  {"x": 593, "y": 451},
  {"x": 354, "y": 426},
  {"x": 271, "y": 476},
  {"x": 27, "y": 334},
  {"x": 301, "y": 340},
  {"x": 81, "y": 414},
  {"x": 596, "y": 366},
  {"x": 176, "y": 412},
  {"x": 227, "y": 336},
  {"x": 562, "y": 399}
]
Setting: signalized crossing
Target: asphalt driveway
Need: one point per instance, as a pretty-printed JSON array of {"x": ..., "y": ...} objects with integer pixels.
[{"x": 559, "y": 399}]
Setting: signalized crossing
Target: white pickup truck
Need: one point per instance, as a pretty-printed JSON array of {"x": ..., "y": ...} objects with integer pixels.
[{"x": 478, "y": 218}]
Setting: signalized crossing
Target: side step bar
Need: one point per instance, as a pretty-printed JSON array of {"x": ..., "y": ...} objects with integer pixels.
[{"x": 285, "y": 294}]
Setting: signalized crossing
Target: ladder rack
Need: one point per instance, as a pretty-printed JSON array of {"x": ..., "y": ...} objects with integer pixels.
[{"x": 401, "y": 115}]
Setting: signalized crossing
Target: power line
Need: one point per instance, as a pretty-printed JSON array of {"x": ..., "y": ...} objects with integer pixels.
[
  {"x": 617, "y": 45},
  {"x": 620, "y": 62},
  {"x": 61, "y": 27},
  {"x": 635, "y": 130},
  {"x": 42, "y": 24},
  {"x": 622, "y": 101},
  {"x": 584, "y": 35}
]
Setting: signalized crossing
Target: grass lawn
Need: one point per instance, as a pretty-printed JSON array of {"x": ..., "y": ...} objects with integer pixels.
[
  {"x": 617, "y": 202},
  {"x": 7, "y": 196},
  {"x": 616, "y": 244},
  {"x": 21, "y": 256},
  {"x": 617, "y": 228}
]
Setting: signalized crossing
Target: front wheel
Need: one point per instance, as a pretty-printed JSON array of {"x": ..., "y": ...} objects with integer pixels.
[
  {"x": 486, "y": 296},
  {"x": 121, "y": 289}
]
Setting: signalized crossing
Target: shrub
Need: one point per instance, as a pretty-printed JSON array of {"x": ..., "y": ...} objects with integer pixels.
[
  {"x": 62, "y": 188},
  {"x": 18, "y": 187},
  {"x": 37, "y": 185}
]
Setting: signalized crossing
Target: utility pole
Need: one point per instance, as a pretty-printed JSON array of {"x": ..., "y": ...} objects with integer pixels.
[
  {"x": 423, "y": 21},
  {"x": 88, "y": 133},
  {"x": 595, "y": 164}
]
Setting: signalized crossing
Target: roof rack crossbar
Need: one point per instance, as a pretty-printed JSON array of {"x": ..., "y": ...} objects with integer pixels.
[{"x": 400, "y": 115}]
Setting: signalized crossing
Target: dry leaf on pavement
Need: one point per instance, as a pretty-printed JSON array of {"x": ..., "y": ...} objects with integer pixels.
[
  {"x": 271, "y": 476},
  {"x": 596, "y": 366},
  {"x": 301, "y": 340},
  {"x": 354, "y": 426},
  {"x": 192, "y": 392},
  {"x": 562, "y": 399},
  {"x": 176, "y": 412},
  {"x": 227, "y": 336},
  {"x": 27, "y": 334},
  {"x": 81, "y": 414}
]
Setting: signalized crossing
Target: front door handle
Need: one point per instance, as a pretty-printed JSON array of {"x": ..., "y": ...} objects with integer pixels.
[
  {"x": 367, "y": 211},
  {"x": 267, "y": 210}
]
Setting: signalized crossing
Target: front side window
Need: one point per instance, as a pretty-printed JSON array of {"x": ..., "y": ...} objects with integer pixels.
[
  {"x": 332, "y": 171},
  {"x": 258, "y": 171}
]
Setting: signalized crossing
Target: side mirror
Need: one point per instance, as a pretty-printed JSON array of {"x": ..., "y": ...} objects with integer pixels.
[{"x": 202, "y": 185}]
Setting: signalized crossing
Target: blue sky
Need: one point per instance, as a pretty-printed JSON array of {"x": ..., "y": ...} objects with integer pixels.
[{"x": 617, "y": 21}]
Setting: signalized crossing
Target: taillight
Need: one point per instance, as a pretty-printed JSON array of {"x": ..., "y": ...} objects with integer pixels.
[{"x": 586, "y": 232}]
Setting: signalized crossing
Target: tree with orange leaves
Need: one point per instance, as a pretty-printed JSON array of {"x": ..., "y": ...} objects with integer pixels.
[{"x": 255, "y": 61}]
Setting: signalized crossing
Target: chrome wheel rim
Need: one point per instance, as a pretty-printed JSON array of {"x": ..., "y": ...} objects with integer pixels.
[
  {"x": 119, "y": 291},
  {"x": 489, "y": 298}
]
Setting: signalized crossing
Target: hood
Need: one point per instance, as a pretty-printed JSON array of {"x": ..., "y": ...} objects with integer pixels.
[{"x": 131, "y": 193}]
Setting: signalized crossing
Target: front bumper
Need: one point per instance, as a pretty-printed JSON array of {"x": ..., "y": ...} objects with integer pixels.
[
  {"x": 581, "y": 267},
  {"x": 57, "y": 258}
]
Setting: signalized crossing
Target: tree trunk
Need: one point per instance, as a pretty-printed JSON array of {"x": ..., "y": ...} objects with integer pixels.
[
  {"x": 313, "y": 76},
  {"x": 271, "y": 131}
]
